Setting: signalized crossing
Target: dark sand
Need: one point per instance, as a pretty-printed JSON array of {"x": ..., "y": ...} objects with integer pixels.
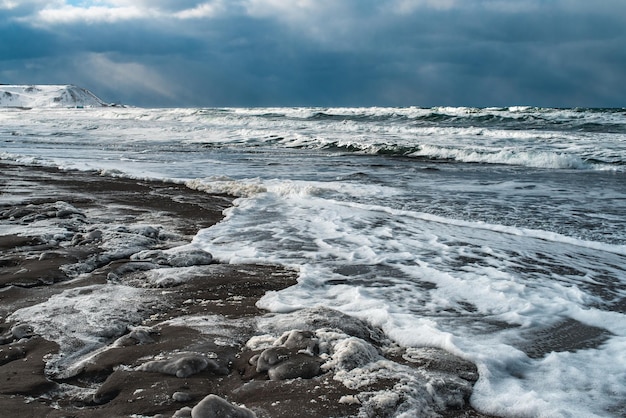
[{"x": 34, "y": 268}]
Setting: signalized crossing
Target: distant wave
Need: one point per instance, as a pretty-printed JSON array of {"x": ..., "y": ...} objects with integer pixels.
[
  {"x": 579, "y": 139},
  {"x": 517, "y": 117},
  {"x": 537, "y": 159}
]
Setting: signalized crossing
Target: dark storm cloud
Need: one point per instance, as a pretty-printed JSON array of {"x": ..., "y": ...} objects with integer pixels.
[
  {"x": 270, "y": 52},
  {"x": 32, "y": 43}
]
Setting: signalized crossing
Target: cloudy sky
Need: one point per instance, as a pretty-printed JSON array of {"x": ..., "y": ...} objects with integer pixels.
[{"x": 561, "y": 53}]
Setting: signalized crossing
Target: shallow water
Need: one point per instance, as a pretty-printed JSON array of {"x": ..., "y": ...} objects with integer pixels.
[{"x": 497, "y": 234}]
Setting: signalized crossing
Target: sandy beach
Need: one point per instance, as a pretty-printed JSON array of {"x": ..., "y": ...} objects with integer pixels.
[{"x": 195, "y": 331}]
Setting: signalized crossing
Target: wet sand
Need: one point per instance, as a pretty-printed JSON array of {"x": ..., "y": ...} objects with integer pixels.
[{"x": 118, "y": 379}]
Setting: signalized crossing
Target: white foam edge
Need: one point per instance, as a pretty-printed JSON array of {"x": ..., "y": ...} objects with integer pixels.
[{"x": 510, "y": 230}]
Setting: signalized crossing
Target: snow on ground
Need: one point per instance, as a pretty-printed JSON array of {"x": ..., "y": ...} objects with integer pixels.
[{"x": 37, "y": 96}]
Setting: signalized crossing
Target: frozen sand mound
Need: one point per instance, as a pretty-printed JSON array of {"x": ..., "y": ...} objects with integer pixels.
[{"x": 46, "y": 96}]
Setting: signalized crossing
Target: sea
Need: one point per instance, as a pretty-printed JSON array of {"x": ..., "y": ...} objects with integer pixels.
[{"x": 498, "y": 234}]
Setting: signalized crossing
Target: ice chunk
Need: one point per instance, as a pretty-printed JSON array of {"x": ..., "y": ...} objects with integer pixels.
[
  {"x": 185, "y": 256},
  {"x": 312, "y": 319},
  {"x": 183, "y": 365},
  {"x": 213, "y": 406},
  {"x": 182, "y": 396},
  {"x": 270, "y": 357},
  {"x": 299, "y": 366},
  {"x": 22, "y": 331},
  {"x": 351, "y": 353},
  {"x": 302, "y": 340},
  {"x": 182, "y": 413},
  {"x": 137, "y": 335}
]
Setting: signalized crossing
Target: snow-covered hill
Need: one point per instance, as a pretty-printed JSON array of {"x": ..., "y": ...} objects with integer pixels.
[{"x": 47, "y": 96}]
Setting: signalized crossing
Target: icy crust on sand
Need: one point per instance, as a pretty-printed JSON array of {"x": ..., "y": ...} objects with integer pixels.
[
  {"x": 82, "y": 320},
  {"x": 213, "y": 406},
  {"x": 85, "y": 319},
  {"x": 42, "y": 96},
  {"x": 389, "y": 380},
  {"x": 62, "y": 225},
  {"x": 183, "y": 365},
  {"x": 379, "y": 377},
  {"x": 316, "y": 344}
]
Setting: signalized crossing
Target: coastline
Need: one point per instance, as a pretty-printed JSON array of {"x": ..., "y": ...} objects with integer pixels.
[{"x": 93, "y": 219}]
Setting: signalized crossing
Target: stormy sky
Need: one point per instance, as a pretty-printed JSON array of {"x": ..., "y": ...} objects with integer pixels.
[{"x": 553, "y": 53}]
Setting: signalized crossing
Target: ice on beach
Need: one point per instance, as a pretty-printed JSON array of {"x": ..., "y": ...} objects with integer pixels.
[
  {"x": 84, "y": 319},
  {"x": 180, "y": 256},
  {"x": 183, "y": 365},
  {"x": 354, "y": 350},
  {"x": 212, "y": 406}
]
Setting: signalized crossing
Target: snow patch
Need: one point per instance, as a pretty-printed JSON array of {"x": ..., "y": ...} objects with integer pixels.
[{"x": 44, "y": 96}]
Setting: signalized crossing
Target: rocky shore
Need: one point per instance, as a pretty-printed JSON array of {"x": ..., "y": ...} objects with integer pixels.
[{"x": 108, "y": 311}]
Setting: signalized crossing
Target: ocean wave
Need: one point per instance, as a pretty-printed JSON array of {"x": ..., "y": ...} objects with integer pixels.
[
  {"x": 537, "y": 159},
  {"x": 227, "y": 185},
  {"x": 514, "y": 117},
  {"x": 516, "y": 157},
  {"x": 589, "y": 120}
]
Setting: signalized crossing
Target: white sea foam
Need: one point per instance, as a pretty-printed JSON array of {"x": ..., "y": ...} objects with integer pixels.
[
  {"x": 226, "y": 185},
  {"x": 433, "y": 281},
  {"x": 505, "y": 156}
]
